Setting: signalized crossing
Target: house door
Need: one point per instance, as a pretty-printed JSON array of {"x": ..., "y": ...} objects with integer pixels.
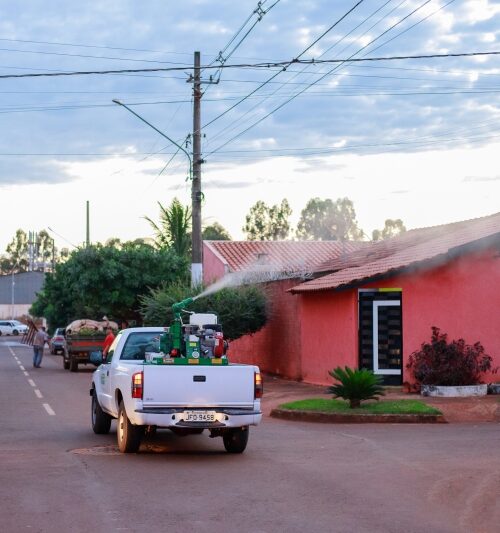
[{"x": 380, "y": 334}]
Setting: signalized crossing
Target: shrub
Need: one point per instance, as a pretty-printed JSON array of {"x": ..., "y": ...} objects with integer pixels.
[
  {"x": 241, "y": 310},
  {"x": 356, "y": 385},
  {"x": 454, "y": 363}
]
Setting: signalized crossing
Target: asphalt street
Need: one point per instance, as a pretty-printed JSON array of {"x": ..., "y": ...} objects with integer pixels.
[{"x": 57, "y": 475}]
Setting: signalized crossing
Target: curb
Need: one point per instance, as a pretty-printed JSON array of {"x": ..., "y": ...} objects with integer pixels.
[{"x": 338, "y": 418}]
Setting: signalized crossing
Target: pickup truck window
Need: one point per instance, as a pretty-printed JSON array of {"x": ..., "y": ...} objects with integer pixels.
[
  {"x": 138, "y": 344},
  {"x": 112, "y": 348}
]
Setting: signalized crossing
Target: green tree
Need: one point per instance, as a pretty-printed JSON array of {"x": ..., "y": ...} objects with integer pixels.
[
  {"x": 17, "y": 251},
  {"x": 241, "y": 310},
  {"x": 268, "y": 223},
  {"x": 391, "y": 229},
  {"x": 104, "y": 280},
  {"x": 174, "y": 228},
  {"x": 45, "y": 249},
  {"x": 325, "y": 220},
  {"x": 215, "y": 232}
]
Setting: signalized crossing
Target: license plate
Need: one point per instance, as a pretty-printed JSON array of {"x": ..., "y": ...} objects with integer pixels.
[{"x": 199, "y": 416}]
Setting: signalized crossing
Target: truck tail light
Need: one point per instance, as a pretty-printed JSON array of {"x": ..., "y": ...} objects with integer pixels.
[
  {"x": 137, "y": 385},
  {"x": 258, "y": 385}
]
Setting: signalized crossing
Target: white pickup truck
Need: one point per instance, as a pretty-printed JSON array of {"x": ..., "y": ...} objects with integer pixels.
[{"x": 185, "y": 398}]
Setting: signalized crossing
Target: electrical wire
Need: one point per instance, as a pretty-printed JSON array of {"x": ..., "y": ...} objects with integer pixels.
[
  {"x": 285, "y": 65},
  {"x": 340, "y": 62},
  {"x": 238, "y": 122}
]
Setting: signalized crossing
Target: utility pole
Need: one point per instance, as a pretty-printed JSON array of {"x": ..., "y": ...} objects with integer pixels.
[
  {"x": 87, "y": 240},
  {"x": 196, "y": 194}
]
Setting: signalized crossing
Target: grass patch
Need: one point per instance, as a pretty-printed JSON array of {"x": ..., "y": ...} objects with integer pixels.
[{"x": 383, "y": 407}]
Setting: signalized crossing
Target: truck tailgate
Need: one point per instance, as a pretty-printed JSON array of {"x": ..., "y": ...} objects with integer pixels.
[{"x": 198, "y": 386}]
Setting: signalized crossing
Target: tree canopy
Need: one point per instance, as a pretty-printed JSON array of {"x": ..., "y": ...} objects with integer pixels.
[
  {"x": 215, "y": 232},
  {"x": 174, "y": 228},
  {"x": 18, "y": 251},
  {"x": 104, "y": 280},
  {"x": 268, "y": 223},
  {"x": 391, "y": 229},
  {"x": 325, "y": 220}
]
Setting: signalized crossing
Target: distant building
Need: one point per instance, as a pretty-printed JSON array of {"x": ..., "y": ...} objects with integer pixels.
[{"x": 18, "y": 292}]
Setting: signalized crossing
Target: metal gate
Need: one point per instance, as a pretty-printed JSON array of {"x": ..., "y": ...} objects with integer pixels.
[{"x": 380, "y": 333}]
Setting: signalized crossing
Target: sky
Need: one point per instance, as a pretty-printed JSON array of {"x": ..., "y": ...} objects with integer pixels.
[{"x": 416, "y": 139}]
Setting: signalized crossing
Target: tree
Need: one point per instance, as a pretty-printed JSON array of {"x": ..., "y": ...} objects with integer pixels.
[
  {"x": 18, "y": 251},
  {"x": 215, "y": 232},
  {"x": 173, "y": 230},
  {"x": 325, "y": 220},
  {"x": 391, "y": 229},
  {"x": 241, "y": 310},
  {"x": 264, "y": 223},
  {"x": 104, "y": 280},
  {"x": 41, "y": 247}
]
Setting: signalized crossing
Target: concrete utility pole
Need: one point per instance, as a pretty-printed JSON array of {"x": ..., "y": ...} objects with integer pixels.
[
  {"x": 87, "y": 240},
  {"x": 196, "y": 194}
]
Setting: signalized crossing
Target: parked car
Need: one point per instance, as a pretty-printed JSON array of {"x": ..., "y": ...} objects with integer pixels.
[
  {"x": 58, "y": 341},
  {"x": 12, "y": 327}
]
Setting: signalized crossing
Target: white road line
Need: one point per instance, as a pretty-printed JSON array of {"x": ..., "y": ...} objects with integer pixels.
[
  {"x": 26, "y": 373},
  {"x": 49, "y": 409},
  {"x": 31, "y": 382},
  {"x": 22, "y": 367},
  {"x": 38, "y": 393}
]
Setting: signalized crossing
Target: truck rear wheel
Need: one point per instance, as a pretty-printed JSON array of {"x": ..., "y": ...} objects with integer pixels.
[
  {"x": 235, "y": 440},
  {"x": 65, "y": 362},
  {"x": 128, "y": 435},
  {"x": 73, "y": 365},
  {"x": 101, "y": 421}
]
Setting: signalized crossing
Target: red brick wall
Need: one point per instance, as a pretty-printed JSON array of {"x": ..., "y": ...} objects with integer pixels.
[{"x": 276, "y": 347}]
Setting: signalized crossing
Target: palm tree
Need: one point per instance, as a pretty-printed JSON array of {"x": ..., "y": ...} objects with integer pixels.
[{"x": 174, "y": 228}]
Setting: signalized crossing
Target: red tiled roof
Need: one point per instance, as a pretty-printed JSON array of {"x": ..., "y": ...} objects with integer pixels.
[
  {"x": 413, "y": 247},
  {"x": 289, "y": 255}
]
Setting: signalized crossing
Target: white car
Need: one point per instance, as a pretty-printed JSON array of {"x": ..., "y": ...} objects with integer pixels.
[{"x": 12, "y": 327}]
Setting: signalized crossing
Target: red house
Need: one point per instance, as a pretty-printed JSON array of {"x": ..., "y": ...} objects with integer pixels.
[{"x": 374, "y": 306}]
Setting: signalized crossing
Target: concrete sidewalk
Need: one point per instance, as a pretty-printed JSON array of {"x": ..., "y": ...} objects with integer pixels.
[{"x": 455, "y": 410}]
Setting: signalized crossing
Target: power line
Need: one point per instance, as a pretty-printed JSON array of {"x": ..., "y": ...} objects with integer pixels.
[
  {"x": 236, "y": 123},
  {"x": 87, "y": 56},
  {"x": 350, "y": 59},
  {"x": 287, "y": 64},
  {"x": 265, "y": 65}
]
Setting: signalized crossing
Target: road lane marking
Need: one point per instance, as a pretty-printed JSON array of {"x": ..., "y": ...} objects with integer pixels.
[
  {"x": 39, "y": 395},
  {"x": 49, "y": 409}
]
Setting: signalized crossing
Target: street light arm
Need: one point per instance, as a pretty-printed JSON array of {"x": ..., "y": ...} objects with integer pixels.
[{"x": 160, "y": 132}]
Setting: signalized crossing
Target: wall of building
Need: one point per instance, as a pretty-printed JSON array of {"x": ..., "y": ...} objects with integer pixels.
[
  {"x": 276, "y": 347},
  {"x": 329, "y": 333},
  {"x": 461, "y": 297},
  {"x": 213, "y": 267},
  {"x": 19, "y": 310}
]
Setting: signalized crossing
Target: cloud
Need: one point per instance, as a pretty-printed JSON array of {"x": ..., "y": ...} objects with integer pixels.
[{"x": 477, "y": 179}]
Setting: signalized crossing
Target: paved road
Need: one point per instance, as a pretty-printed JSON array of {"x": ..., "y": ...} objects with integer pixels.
[{"x": 56, "y": 475}]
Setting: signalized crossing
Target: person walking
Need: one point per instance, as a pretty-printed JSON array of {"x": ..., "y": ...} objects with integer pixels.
[{"x": 39, "y": 341}]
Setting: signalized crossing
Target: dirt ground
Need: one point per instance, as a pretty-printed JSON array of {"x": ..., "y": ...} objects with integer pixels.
[{"x": 455, "y": 410}]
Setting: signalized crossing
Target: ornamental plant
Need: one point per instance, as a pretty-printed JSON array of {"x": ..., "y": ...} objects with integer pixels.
[
  {"x": 355, "y": 385},
  {"x": 454, "y": 363}
]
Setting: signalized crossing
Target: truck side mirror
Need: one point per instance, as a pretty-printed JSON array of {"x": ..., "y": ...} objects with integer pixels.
[
  {"x": 96, "y": 358},
  {"x": 109, "y": 356}
]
